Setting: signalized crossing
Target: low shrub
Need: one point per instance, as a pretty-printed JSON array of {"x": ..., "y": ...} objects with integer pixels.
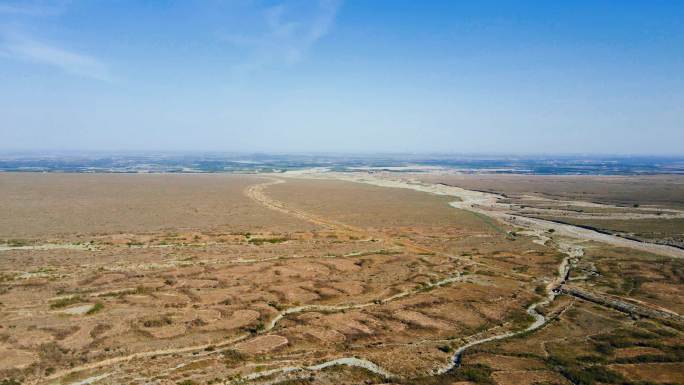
[
  {"x": 64, "y": 302},
  {"x": 96, "y": 308}
]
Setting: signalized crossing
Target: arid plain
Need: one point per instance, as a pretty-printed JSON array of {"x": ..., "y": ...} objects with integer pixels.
[{"x": 340, "y": 278}]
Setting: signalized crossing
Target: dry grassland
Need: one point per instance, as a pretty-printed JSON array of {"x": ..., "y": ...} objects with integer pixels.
[
  {"x": 201, "y": 279},
  {"x": 645, "y": 208}
]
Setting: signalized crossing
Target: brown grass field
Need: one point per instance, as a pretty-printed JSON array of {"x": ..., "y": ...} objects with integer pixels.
[
  {"x": 218, "y": 279},
  {"x": 622, "y": 201},
  {"x": 654, "y": 190}
]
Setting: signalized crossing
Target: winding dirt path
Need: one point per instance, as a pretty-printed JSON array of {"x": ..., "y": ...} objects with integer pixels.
[
  {"x": 572, "y": 252},
  {"x": 162, "y": 352},
  {"x": 481, "y": 203},
  {"x": 221, "y": 346},
  {"x": 256, "y": 192},
  {"x": 488, "y": 205}
]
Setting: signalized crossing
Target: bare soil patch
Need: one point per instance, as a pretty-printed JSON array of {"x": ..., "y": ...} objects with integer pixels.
[{"x": 262, "y": 344}]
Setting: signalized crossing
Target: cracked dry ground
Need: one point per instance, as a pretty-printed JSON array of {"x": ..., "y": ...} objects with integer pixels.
[{"x": 178, "y": 278}]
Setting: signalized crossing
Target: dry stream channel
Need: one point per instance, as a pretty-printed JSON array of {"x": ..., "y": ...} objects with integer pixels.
[
  {"x": 484, "y": 204},
  {"x": 565, "y": 239}
]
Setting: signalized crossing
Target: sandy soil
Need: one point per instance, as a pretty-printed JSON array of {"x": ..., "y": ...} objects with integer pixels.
[
  {"x": 40, "y": 205},
  {"x": 327, "y": 278}
]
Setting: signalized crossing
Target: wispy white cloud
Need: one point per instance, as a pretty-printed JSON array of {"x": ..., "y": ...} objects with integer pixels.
[
  {"x": 33, "y": 8},
  {"x": 26, "y": 48},
  {"x": 287, "y": 34},
  {"x": 14, "y": 44}
]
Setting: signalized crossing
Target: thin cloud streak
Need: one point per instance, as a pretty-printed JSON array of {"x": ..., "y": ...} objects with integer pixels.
[
  {"x": 285, "y": 40},
  {"x": 33, "y": 9},
  {"x": 28, "y": 49}
]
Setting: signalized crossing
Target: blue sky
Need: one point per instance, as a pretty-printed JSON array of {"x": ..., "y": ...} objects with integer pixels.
[{"x": 345, "y": 76}]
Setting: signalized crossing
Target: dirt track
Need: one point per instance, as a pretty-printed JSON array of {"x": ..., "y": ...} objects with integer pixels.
[
  {"x": 481, "y": 203},
  {"x": 488, "y": 204},
  {"x": 256, "y": 192}
]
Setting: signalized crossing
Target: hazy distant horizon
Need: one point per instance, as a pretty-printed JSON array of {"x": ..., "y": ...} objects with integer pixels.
[
  {"x": 427, "y": 154},
  {"x": 236, "y": 162},
  {"x": 111, "y": 152},
  {"x": 333, "y": 76}
]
